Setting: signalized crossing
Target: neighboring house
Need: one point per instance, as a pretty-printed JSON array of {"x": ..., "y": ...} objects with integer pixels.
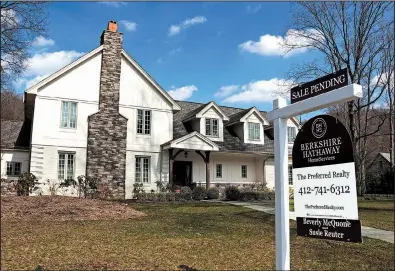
[
  {"x": 104, "y": 116},
  {"x": 381, "y": 163},
  {"x": 380, "y": 177}
]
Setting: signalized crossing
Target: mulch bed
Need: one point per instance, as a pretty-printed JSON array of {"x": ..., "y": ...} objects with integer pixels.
[{"x": 61, "y": 208}]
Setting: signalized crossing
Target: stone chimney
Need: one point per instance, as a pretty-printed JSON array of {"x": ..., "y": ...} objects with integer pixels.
[{"x": 107, "y": 129}]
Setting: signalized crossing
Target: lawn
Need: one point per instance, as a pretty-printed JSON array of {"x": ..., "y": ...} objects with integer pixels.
[{"x": 198, "y": 235}]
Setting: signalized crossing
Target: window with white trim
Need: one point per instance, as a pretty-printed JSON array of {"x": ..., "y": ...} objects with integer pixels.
[
  {"x": 143, "y": 122},
  {"x": 218, "y": 170},
  {"x": 14, "y": 168},
  {"x": 69, "y": 115},
  {"x": 243, "y": 171},
  {"x": 254, "y": 131},
  {"x": 142, "y": 170},
  {"x": 212, "y": 127},
  {"x": 290, "y": 181},
  {"x": 66, "y": 165},
  {"x": 291, "y": 134}
]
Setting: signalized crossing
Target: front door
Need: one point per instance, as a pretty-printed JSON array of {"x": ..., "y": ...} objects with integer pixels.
[{"x": 182, "y": 171}]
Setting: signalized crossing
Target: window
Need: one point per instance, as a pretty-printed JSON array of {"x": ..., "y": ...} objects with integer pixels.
[
  {"x": 142, "y": 169},
  {"x": 290, "y": 181},
  {"x": 253, "y": 131},
  {"x": 218, "y": 170},
  {"x": 69, "y": 115},
  {"x": 66, "y": 165},
  {"x": 243, "y": 171},
  {"x": 291, "y": 134},
  {"x": 143, "y": 122},
  {"x": 212, "y": 127},
  {"x": 14, "y": 168}
]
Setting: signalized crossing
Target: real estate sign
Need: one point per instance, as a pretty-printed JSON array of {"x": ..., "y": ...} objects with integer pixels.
[
  {"x": 325, "y": 195},
  {"x": 319, "y": 86}
]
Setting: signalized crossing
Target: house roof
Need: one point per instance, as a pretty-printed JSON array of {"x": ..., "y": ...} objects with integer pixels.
[
  {"x": 201, "y": 109},
  {"x": 15, "y": 134},
  {"x": 231, "y": 142},
  {"x": 242, "y": 115}
]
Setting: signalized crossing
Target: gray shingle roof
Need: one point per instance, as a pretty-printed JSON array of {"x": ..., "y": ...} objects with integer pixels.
[
  {"x": 231, "y": 142},
  {"x": 15, "y": 134}
]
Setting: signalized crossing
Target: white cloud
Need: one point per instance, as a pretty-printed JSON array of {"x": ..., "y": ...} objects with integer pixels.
[
  {"x": 176, "y": 28},
  {"x": 269, "y": 45},
  {"x": 383, "y": 80},
  {"x": 114, "y": 4},
  {"x": 41, "y": 65},
  {"x": 129, "y": 25},
  {"x": 41, "y": 41},
  {"x": 8, "y": 18},
  {"x": 253, "y": 8},
  {"x": 225, "y": 91},
  {"x": 174, "y": 51},
  {"x": 182, "y": 93},
  {"x": 260, "y": 91},
  {"x": 48, "y": 63}
]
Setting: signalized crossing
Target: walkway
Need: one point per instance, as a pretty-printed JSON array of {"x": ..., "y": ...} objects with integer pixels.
[{"x": 387, "y": 236}]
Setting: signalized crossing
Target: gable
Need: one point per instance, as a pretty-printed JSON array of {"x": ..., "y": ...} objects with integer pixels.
[
  {"x": 212, "y": 113},
  {"x": 81, "y": 82},
  {"x": 135, "y": 90},
  {"x": 212, "y": 106},
  {"x": 192, "y": 141}
]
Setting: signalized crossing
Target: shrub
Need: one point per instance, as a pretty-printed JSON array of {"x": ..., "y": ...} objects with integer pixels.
[
  {"x": 213, "y": 193},
  {"x": 199, "y": 193},
  {"x": 160, "y": 186},
  {"x": 161, "y": 197},
  {"x": 186, "y": 193},
  {"x": 170, "y": 196},
  {"x": 138, "y": 188},
  {"x": 248, "y": 195},
  {"x": 232, "y": 193},
  {"x": 25, "y": 184},
  {"x": 291, "y": 193}
]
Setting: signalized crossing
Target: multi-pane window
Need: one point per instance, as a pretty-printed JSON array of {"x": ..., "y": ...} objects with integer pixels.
[
  {"x": 290, "y": 175},
  {"x": 66, "y": 165},
  {"x": 142, "y": 169},
  {"x": 253, "y": 131},
  {"x": 291, "y": 134},
  {"x": 69, "y": 115},
  {"x": 218, "y": 170},
  {"x": 243, "y": 171},
  {"x": 14, "y": 168},
  {"x": 143, "y": 122},
  {"x": 212, "y": 127}
]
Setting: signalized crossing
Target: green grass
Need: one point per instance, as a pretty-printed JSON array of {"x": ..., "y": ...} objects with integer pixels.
[{"x": 198, "y": 235}]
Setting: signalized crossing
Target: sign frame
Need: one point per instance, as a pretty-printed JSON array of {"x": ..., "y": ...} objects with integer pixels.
[{"x": 279, "y": 115}]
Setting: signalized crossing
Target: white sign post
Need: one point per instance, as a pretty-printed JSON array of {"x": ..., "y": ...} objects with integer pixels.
[{"x": 279, "y": 115}]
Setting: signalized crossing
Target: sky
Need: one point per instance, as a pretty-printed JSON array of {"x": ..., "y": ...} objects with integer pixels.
[{"x": 197, "y": 51}]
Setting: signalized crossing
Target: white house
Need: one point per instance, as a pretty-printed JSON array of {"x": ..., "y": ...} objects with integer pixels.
[{"x": 104, "y": 116}]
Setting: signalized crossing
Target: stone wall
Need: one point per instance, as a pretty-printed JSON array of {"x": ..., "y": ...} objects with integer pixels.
[{"x": 107, "y": 129}]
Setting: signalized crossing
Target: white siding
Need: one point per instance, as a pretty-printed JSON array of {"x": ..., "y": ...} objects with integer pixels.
[
  {"x": 14, "y": 156},
  {"x": 269, "y": 173},
  {"x": 137, "y": 92}
]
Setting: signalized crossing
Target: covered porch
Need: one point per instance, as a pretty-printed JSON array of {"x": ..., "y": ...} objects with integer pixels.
[{"x": 182, "y": 154}]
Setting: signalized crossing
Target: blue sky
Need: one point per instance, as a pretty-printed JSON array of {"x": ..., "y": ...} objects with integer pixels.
[{"x": 226, "y": 52}]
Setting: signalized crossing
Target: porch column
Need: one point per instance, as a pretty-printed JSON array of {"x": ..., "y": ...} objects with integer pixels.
[
  {"x": 207, "y": 169},
  {"x": 206, "y": 159},
  {"x": 171, "y": 166}
]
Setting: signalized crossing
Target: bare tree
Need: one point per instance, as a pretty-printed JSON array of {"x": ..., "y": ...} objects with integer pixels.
[
  {"x": 21, "y": 22},
  {"x": 12, "y": 107},
  {"x": 351, "y": 35}
]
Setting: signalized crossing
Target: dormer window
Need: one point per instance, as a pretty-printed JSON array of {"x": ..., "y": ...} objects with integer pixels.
[
  {"x": 212, "y": 127},
  {"x": 253, "y": 131},
  {"x": 291, "y": 134}
]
